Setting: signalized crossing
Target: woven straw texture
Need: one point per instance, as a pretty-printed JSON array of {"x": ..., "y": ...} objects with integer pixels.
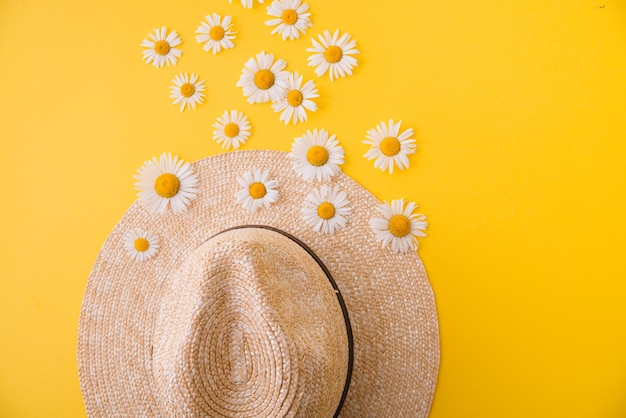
[{"x": 216, "y": 324}]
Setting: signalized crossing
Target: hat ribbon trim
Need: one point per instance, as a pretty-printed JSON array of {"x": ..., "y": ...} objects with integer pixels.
[{"x": 342, "y": 303}]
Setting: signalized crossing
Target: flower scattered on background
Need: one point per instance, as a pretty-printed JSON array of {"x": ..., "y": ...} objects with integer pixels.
[
  {"x": 333, "y": 54},
  {"x": 399, "y": 226},
  {"x": 316, "y": 155},
  {"x": 160, "y": 48},
  {"x": 187, "y": 91},
  {"x": 247, "y": 3},
  {"x": 166, "y": 182},
  {"x": 290, "y": 18},
  {"x": 256, "y": 190},
  {"x": 216, "y": 33},
  {"x": 141, "y": 245},
  {"x": 325, "y": 210},
  {"x": 389, "y": 148},
  {"x": 231, "y": 129},
  {"x": 263, "y": 79},
  {"x": 297, "y": 100}
]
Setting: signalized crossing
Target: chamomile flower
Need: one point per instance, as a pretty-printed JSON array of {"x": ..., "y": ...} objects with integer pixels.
[
  {"x": 333, "y": 54},
  {"x": 317, "y": 155},
  {"x": 257, "y": 190},
  {"x": 297, "y": 100},
  {"x": 187, "y": 91},
  {"x": 263, "y": 79},
  {"x": 140, "y": 244},
  {"x": 231, "y": 129},
  {"x": 325, "y": 210},
  {"x": 389, "y": 148},
  {"x": 399, "y": 227},
  {"x": 247, "y": 3},
  {"x": 166, "y": 182},
  {"x": 160, "y": 48},
  {"x": 290, "y": 18},
  {"x": 216, "y": 33}
]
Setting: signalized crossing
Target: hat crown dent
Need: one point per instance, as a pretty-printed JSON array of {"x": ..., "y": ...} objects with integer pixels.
[{"x": 250, "y": 326}]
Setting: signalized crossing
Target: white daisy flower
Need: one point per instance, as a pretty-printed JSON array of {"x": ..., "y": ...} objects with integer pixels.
[
  {"x": 160, "y": 47},
  {"x": 187, "y": 91},
  {"x": 333, "y": 54},
  {"x": 263, "y": 79},
  {"x": 325, "y": 210},
  {"x": 297, "y": 100},
  {"x": 166, "y": 182},
  {"x": 247, "y": 3},
  {"x": 216, "y": 33},
  {"x": 256, "y": 190},
  {"x": 290, "y": 18},
  {"x": 316, "y": 155},
  {"x": 231, "y": 129},
  {"x": 141, "y": 245},
  {"x": 389, "y": 148},
  {"x": 399, "y": 226}
]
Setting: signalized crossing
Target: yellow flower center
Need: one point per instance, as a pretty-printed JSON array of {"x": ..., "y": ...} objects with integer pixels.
[
  {"x": 326, "y": 210},
  {"x": 162, "y": 47},
  {"x": 390, "y": 146},
  {"x": 264, "y": 79},
  {"x": 289, "y": 17},
  {"x": 216, "y": 33},
  {"x": 294, "y": 98},
  {"x": 142, "y": 244},
  {"x": 333, "y": 54},
  {"x": 166, "y": 185},
  {"x": 231, "y": 130},
  {"x": 257, "y": 190},
  {"x": 317, "y": 155},
  {"x": 399, "y": 225},
  {"x": 187, "y": 89}
]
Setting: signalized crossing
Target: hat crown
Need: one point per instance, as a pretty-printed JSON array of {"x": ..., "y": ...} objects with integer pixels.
[{"x": 250, "y": 326}]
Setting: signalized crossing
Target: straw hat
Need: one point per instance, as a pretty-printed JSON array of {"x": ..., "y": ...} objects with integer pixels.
[{"x": 253, "y": 313}]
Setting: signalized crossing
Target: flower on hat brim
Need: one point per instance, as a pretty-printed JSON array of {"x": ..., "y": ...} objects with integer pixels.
[
  {"x": 257, "y": 190},
  {"x": 140, "y": 244},
  {"x": 326, "y": 209},
  {"x": 166, "y": 183}
]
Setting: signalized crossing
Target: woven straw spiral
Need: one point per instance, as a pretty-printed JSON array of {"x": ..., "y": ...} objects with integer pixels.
[{"x": 250, "y": 327}]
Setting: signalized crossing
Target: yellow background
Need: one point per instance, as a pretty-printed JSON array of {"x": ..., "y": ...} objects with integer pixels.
[{"x": 520, "y": 113}]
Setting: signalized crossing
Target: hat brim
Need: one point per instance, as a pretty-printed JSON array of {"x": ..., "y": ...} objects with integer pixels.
[{"x": 388, "y": 296}]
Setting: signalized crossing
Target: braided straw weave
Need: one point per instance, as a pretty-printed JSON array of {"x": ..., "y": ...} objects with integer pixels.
[{"x": 244, "y": 322}]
